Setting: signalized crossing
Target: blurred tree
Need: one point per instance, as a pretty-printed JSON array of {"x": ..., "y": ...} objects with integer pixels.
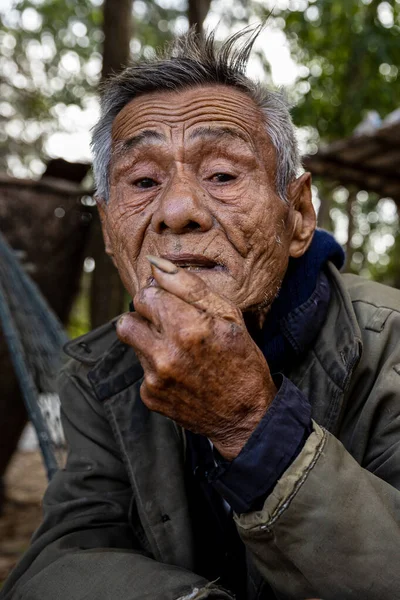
[
  {"x": 48, "y": 65},
  {"x": 348, "y": 56},
  {"x": 50, "y": 61},
  {"x": 117, "y": 30}
]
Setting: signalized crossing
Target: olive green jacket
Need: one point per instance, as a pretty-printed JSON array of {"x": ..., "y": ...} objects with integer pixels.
[{"x": 330, "y": 528}]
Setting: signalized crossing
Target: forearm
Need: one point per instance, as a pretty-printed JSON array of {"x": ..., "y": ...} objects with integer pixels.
[
  {"x": 329, "y": 528},
  {"x": 105, "y": 574}
]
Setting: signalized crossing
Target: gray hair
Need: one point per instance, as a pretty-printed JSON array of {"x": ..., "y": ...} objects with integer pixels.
[{"x": 187, "y": 62}]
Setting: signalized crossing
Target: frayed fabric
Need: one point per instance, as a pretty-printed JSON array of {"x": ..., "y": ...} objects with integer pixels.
[
  {"x": 208, "y": 591},
  {"x": 190, "y": 596}
]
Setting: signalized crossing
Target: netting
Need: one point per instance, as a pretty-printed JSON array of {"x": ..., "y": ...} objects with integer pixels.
[{"x": 34, "y": 337}]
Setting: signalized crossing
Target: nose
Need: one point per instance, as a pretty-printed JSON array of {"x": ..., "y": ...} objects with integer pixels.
[{"x": 182, "y": 210}]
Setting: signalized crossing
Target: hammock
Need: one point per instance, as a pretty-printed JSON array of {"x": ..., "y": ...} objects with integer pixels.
[{"x": 34, "y": 337}]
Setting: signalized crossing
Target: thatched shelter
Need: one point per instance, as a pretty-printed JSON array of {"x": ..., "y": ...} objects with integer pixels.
[{"x": 368, "y": 160}]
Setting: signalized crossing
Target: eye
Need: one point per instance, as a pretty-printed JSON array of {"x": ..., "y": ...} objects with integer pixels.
[
  {"x": 145, "y": 183},
  {"x": 221, "y": 177}
]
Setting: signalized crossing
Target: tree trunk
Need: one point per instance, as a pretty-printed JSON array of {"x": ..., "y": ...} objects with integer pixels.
[
  {"x": 107, "y": 293},
  {"x": 349, "y": 249},
  {"x": 197, "y": 12},
  {"x": 117, "y": 29},
  {"x": 324, "y": 219}
]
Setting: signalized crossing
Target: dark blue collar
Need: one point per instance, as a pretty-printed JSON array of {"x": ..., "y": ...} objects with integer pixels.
[{"x": 300, "y": 308}]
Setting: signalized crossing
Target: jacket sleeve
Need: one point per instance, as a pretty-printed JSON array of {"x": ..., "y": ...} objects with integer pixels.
[
  {"x": 86, "y": 547},
  {"x": 331, "y": 526}
]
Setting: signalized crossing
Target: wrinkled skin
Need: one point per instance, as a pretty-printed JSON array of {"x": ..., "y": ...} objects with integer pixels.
[{"x": 192, "y": 176}]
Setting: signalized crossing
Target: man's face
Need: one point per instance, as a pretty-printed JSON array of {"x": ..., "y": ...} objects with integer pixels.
[{"x": 192, "y": 179}]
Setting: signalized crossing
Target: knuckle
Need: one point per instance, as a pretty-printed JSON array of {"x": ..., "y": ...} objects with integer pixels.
[
  {"x": 164, "y": 365},
  {"x": 187, "y": 336},
  {"x": 149, "y": 401},
  {"x": 145, "y": 295},
  {"x": 151, "y": 386},
  {"x": 192, "y": 335},
  {"x": 237, "y": 313},
  {"x": 198, "y": 292},
  {"x": 227, "y": 332},
  {"x": 230, "y": 313}
]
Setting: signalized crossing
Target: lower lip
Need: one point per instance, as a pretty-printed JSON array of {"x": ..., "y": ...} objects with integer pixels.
[{"x": 199, "y": 269}]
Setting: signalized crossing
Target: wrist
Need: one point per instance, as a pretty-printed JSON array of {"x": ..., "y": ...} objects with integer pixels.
[{"x": 233, "y": 441}]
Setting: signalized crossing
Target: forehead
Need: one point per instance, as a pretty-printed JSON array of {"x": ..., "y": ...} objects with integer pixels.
[{"x": 187, "y": 108}]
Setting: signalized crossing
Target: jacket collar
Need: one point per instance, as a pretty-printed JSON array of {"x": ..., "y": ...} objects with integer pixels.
[
  {"x": 325, "y": 371},
  {"x": 90, "y": 348}
]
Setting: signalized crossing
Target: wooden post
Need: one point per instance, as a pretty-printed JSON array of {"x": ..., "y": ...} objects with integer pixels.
[
  {"x": 197, "y": 12},
  {"x": 349, "y": 249},
  {"x": 107, "y": 294}
]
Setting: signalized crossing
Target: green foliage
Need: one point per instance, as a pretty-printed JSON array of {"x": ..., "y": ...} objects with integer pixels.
[
  {"x": 372, "y": 240},
  {"x": 79, "y": 320},
  {"x": 391, "y": 275},
  {"x": 348, "y": 55},
  {"x": 349, "y": 52},
  {"x": 50, "y": 57},
  {"x": 352, "y": 58},
  {"x": 154, "y": 24}
]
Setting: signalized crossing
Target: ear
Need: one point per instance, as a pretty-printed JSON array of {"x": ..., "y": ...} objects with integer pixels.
[
  {"x": 102, "y": 208},
  {"x": 303, "y": 215}
]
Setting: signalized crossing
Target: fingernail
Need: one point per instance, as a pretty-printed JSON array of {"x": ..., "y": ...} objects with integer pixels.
[
  {"x": 120, "y": 321},
  {"x": 164, "y": 265}
]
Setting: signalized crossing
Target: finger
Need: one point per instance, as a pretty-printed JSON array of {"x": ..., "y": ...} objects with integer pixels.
[
  {"x": 167, "y": 312},
  {"x": 134, "y": 331},
  {"x": 145, "y": 302},
  {"x": 190, "y": 288}
]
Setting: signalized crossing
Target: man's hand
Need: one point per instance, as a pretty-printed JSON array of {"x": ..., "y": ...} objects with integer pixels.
[{"x": 201, "y": 367}]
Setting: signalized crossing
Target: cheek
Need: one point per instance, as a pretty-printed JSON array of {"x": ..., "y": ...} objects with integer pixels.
[
  {"x": 245, "y": 218},
  {"x": 259, "y": 219},
  {"x": 265, "y": 230},
  {"x": 126, "y": 227},
  {"x": 267, "y": 221}
]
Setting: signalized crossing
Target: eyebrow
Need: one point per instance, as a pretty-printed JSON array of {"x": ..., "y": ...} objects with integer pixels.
[
  {"x": 217, "y": 133},
  {"x": 148, "y": 135}
]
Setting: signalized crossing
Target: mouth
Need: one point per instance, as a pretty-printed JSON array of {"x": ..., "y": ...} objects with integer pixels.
[{"x": 194, "y": 262}]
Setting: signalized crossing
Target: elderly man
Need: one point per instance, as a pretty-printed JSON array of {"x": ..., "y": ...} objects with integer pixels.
[{"x": 238, "y": 433}]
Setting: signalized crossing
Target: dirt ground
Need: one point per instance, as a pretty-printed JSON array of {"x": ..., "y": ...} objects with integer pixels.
[{"x": 25, "y": 485}]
